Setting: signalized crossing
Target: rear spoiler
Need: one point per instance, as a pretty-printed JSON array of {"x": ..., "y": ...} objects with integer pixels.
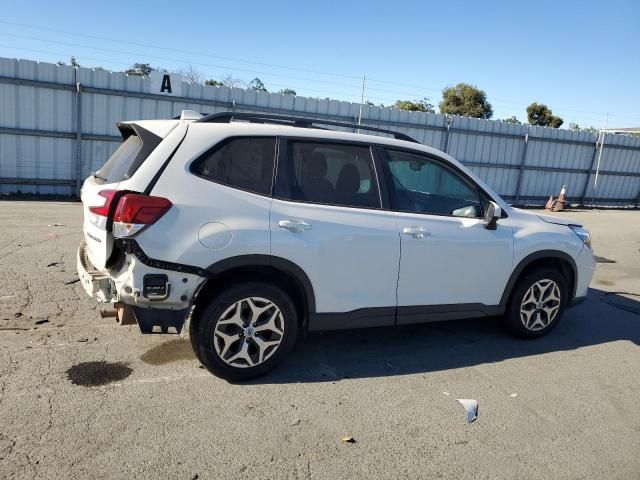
[{"x": 149, "y": 142}]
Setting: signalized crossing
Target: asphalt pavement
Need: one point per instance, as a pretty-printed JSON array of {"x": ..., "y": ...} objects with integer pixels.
[{"x": 81, "y": 397}]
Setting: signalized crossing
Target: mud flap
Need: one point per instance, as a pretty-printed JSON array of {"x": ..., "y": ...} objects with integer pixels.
[{"x": 148, "y": 318}]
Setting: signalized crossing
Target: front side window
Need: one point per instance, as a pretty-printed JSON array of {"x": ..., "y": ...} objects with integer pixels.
[
  {"x": 422, "y": 185},
  {"x": 242, "y": 162},
  {"x": 334, "y": 174}
]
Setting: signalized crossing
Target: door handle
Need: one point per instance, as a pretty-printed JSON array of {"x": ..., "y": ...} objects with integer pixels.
[
  {"x": 297, "y": 226},
  {"x": 416, "y": 232}
]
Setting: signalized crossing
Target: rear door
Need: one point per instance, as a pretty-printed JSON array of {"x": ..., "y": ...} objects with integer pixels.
[
  {"x": 326, "y": 217},
  {"x": 449, "y": 260},
  {"x": 99, "y": 191}
]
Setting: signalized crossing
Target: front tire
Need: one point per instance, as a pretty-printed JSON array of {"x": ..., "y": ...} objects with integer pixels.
[
  {"x": 245, "y": 331},
  {"x": 537, "y": 303}
]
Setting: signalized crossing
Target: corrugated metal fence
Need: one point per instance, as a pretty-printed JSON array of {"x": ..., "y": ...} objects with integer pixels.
[{"x": 57, "y": 125}]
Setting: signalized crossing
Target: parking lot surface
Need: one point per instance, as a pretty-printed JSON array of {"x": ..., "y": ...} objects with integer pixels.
[{"x": 81, "y": 397}]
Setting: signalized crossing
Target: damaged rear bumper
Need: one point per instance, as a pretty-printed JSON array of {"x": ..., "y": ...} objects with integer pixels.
[
  {"x": 129, "y": 288},
  {"x": 97, "y": 284}
]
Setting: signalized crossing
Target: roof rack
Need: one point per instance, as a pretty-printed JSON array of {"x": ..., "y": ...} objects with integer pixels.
[{"x": 295, "y": 121}]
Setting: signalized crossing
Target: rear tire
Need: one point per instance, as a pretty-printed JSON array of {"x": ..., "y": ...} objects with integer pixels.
[
  {"x": 537, "y": 303},
  {"x": 245, "y": 331}
]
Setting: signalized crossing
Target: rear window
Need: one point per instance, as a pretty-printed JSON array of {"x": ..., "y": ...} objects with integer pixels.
[
  {"x": 117, "y": 167},
  {"x": 241, "y": 162}
]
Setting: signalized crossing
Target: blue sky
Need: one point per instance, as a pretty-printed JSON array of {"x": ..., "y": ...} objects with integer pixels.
[{"x": 580, "y": 58}]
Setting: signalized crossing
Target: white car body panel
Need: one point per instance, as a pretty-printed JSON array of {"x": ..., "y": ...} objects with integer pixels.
[
  {"x": 456, "y": 261},
  {"x": 242, "y": 217},
  {"x": 532, "y": 234},
  {"x": 586, "y": 266},
  {"x": 94, "y": 228},
  {"x": 350, "y": 255}
]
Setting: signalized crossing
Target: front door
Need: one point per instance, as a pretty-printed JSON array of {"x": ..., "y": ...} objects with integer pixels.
[{"x": 451, "y": 266}]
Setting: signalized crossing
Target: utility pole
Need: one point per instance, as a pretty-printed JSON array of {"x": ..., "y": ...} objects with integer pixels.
[
  {"x": 595, "y": 180},
  {"x": 361, "y": 103}
]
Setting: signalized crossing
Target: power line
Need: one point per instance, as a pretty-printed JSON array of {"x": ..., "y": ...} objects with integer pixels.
[
  {"x": 177, "y": 60},
  {"x": 235, "y": 59},
  {"x": 179, "y": 50},
  {"x": 351, "y": 97},
  {"x": 495, "y": 101},
  {"x": 499, "y": 102},
  {"x": 49, "y": 52}
]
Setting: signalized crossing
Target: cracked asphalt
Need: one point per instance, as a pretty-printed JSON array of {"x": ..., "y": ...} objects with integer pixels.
[{"x": 81, "y": 397}]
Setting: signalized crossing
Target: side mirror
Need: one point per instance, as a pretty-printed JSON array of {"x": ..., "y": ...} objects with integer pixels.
[{"x": 492, "y": 215}]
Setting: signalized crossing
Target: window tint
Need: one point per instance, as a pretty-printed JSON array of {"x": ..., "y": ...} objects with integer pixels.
[
  {"x": 243, "y": 162},
  {"x": 425, "y": 186},
  {"x": 121, "y": 160},
  {"x": 328, "y": 173}
]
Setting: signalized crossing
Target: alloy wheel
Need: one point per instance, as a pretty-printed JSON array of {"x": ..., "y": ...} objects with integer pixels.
[
  {"x": 249, "y": 332},
  {"x": 540, "y": 305}
]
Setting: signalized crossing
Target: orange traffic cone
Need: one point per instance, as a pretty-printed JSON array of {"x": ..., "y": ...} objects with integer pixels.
[
  {"x": 549, "y": 205},
  {"x": 560, "y": 203}
]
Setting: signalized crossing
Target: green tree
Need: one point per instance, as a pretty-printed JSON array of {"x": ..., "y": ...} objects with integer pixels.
[
  {"x": 577, "y": 128},
  {"x": 140, "y": 70},
  {"x": 72, "y": 61},
  {"x": 214, "y": 83},
  {"x": 465, "y": 100},
  {"x": 415, "y": 106},
  {"x": 512, "y": 119},
  {"x": 257, "y": 85},
  {"x": 287, "y": 91},
  {"x": 541, "y": 115}
]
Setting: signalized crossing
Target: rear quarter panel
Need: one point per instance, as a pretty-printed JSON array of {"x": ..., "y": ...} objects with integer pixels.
[{"x": 208, "y": 221}]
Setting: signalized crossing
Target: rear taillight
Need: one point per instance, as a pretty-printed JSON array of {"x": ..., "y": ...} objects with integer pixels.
[
  {"x": 99, "y": 214},
  {"x": 135, "y": 212},
  {"x": 103, "y": 210}
]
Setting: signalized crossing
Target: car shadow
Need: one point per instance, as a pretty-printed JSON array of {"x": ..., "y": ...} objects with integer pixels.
[{"x": 377, "y": 352}]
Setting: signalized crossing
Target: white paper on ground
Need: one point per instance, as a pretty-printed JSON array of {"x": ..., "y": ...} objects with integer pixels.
[{"x": 471, "y": 406}]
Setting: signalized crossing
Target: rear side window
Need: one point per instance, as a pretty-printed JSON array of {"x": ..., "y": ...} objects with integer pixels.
[
  {"x": 334, "y": 174},
  {"x": 116, "y": 168},
  {"x": 243, "y": 162}
]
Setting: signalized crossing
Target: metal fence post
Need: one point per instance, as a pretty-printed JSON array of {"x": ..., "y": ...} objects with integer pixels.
[
  {"x": 448, "y": 120},
  {"x": 78, "y": 155},
  {"x": 593, "y": 161},
  {"x": 520, "y": 171}
]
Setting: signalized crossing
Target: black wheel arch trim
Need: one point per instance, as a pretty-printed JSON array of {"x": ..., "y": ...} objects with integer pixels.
[
  {"x": 278, "y": 263},
  {"x": 528, "y": 260}
]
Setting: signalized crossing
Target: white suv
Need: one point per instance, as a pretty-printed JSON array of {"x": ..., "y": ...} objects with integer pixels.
[{"x": 255, "y": 227}]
